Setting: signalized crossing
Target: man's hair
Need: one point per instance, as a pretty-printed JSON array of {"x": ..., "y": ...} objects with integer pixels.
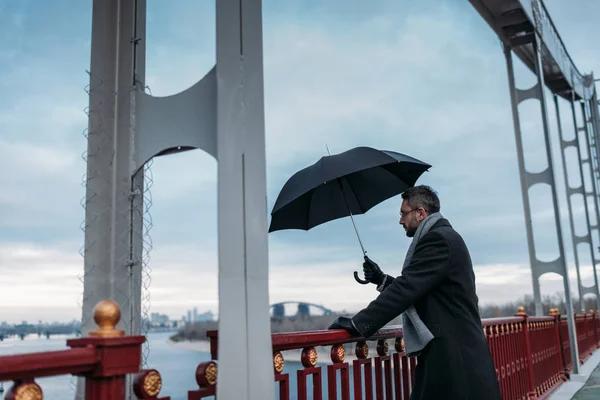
[{"x": 422, "y": 196}]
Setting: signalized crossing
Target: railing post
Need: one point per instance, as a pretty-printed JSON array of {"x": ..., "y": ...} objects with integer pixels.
[
  {"x": 119, "y": 354},
  {"x": 585, "y": 344},
  {"x": 598, "y": 327},
  {"x": 594, "y": 323},
  {"x": 528, "y": 356},
  {"x": 561, "y": 351}
]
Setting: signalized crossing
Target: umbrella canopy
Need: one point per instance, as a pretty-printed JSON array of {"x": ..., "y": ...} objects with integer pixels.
[{"x": 341, "y": 185}]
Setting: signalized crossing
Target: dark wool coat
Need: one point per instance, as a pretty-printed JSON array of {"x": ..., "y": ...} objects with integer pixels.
[{"x": 440, "y": 283}]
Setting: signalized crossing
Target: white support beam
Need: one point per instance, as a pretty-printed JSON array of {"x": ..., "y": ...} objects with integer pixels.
[{"x": 245, "y": 364}]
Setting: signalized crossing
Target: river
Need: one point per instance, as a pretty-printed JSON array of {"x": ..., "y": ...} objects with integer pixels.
[{"x": 177, "y": 366}]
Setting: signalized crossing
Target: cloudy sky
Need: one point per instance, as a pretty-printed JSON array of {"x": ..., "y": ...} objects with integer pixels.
[{"x": 425, "y": 78}]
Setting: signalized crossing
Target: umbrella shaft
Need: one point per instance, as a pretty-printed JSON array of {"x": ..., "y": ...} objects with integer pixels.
[
  {"x": 339, "y": 181},
  {"x": 357, "y": 235}
]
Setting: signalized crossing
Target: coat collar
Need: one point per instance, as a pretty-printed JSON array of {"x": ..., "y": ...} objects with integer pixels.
[{"x": 440, "y": 223}]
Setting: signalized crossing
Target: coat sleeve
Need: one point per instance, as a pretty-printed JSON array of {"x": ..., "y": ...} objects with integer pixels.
[
  {"x": 387, "y": 281},
  {"x": 429, "y": 266}
]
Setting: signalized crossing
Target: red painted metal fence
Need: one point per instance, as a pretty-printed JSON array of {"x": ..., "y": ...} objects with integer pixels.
[
  {"x": 104, "y": 359},
  {"x": 531, "y": 355}
]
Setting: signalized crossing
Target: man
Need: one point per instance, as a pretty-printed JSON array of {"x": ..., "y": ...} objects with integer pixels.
[{"x": 436, "y": 296}]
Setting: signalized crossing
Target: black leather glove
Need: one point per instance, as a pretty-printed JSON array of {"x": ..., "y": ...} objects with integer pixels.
[
  {"x": 372, "y": 272},
  {"x": 344, "y": 323}
]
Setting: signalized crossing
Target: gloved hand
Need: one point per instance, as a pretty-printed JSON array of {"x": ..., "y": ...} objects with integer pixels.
[
  {"x": 344, "y": 323},
  {"x": 372, "y": 271}
]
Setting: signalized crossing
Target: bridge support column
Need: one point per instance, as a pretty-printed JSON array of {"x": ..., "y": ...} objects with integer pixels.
[
  {"x": 222, "y": 114},
  {"x": 245, "y": 365},
  {"x": 590, "y": 128},
  {"x": 114, "y": 196},
  {"x": 586, "y": 194},
  {"x": 593, "y": 138},
  {"x": 564, "y": 145},
  {"x": 592, "y": 124},
  {"x": 538, "y": 267},
  {"x": 112, "y": 249},
  {"x": 113, "y": 224}
]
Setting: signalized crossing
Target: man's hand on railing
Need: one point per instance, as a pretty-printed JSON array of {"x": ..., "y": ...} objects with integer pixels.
[{"x": 345, "y": 323}]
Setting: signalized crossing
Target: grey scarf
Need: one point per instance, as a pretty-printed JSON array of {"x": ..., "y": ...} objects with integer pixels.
[{"x": 416, "y": 334}]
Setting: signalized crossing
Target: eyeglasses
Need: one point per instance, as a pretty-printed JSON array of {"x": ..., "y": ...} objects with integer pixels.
[{"x": 403, "y": 214}]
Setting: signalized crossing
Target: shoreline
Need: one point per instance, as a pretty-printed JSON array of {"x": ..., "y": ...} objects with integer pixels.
[{"x": 288, "y": 355}]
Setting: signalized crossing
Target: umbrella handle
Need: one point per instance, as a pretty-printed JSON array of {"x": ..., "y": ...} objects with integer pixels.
[{"x": 362, "y": 282}]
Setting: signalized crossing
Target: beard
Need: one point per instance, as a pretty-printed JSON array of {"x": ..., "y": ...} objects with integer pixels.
[{"x": 410, "y": 231}]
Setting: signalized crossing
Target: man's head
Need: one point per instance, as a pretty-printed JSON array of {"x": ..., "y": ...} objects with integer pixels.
[{"x": 417, "y": 203}]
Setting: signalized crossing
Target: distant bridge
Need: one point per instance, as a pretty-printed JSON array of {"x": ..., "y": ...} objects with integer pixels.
[
  {"x": 23, "y": 330},
  {"x": 303, "y": 309}
]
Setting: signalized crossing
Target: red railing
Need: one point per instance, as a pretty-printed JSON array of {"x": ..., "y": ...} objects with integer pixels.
[
  {"x": 531, "y": 355},
  {"x": 382, "y": 374},
  {"x": 103, "y": 359},
  {"x": 587, "y": 334}
]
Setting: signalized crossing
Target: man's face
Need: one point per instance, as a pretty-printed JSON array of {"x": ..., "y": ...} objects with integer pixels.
[{"x": 410, "y": 218}]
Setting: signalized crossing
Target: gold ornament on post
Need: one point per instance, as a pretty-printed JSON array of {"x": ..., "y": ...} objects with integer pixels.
[
  {"x": 338, "y": 354},
  {"x": 309, "y": 357},
  {"x": 107, "y": 315},
  {"x": 25, "y": 390},
  {"x": 278, "y": 362},
  {"x": 399, "y": 345},
  {"x": 362, "y": 349},
  {"x": 206, "y": 374},
  {"x": 147, "y": 384},
  {"x": 382, "y": 348}
]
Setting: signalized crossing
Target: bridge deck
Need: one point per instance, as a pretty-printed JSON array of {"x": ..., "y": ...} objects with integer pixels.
[
  {"x": 585, "y": 386},
  {"x": 591, "y": 389},
  {"x": 514, "y": 22}
]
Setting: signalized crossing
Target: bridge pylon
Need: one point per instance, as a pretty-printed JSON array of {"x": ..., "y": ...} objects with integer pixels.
[
  {"x": 222, "y": 114},
  {"x": 528, "y": 179},
  {"x": 589, "y": 195}
]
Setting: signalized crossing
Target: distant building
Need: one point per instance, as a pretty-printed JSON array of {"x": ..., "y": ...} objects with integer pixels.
[
  {"x": 157, "y": 319},
  {"x": 207, "y": 316},
  {"x": 194, "y": 316}
]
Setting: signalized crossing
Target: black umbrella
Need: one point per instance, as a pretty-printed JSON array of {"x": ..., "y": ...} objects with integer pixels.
[{"x": 343, "y": 185}]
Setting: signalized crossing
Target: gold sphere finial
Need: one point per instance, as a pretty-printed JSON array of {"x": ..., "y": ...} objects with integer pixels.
[
  {"x": 521, "y": 310},
  {"x": 107, "y": 315},
  {"x": 25, "y": 391}
]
